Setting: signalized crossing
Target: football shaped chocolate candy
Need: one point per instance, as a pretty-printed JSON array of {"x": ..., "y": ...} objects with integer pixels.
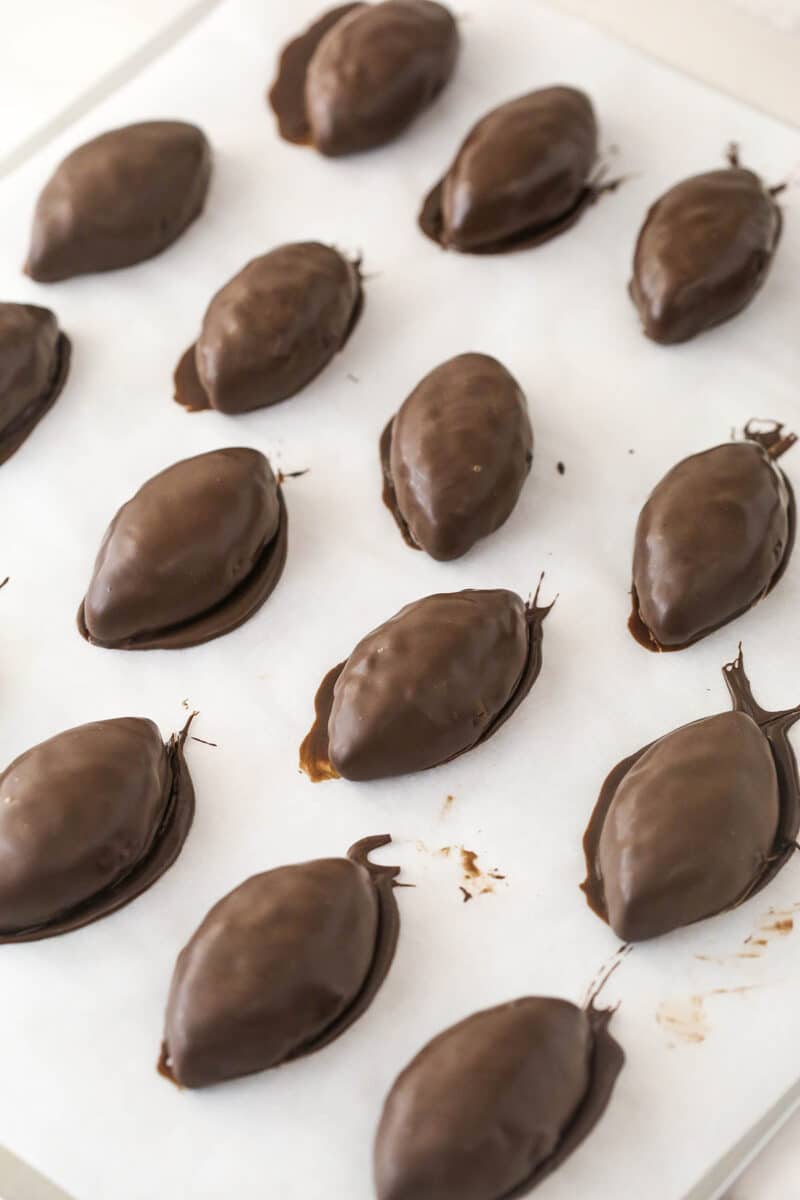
[
  {"x": 362, "y": 72},
  {"x": 522, "y": 176},
  {"x": 119, "y": 199},
  {"x": 713, "y": 538},
  {"x": 704, "y": 251},
  {"x": 281, "y": 966},
  {"x": 89, "y": 819},
  {"x": 696, "y": 822},
  {"x": 437, "y": 679},
  {"x": 193, "y": 555},
  {"x": 495, "y": 1103},
  {"x": 456, "y": 455}
]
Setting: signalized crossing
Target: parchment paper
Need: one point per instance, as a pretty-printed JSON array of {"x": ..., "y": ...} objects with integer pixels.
[{"x": 81, "y": 1016}]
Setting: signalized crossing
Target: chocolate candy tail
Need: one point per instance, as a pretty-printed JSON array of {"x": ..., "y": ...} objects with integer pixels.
[
  {"x": 770, "y": 436},
  {"x": 776, "y": 726}
]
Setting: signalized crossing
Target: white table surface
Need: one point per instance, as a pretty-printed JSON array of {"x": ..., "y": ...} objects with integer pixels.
[{"x": 62, "y": 58}]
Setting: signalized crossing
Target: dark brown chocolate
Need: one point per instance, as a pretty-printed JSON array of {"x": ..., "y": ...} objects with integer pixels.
[
  {"x": 431, "y": 683},
  {"x": 362, "y": 73},
  {"x": 280, "y": 967},
  {"x": 34, "y": 364},
  {"x": 89, "y": 819},
  {"x": 192, "y": 556},
  {"x": 713, "y": 538},
  {"x": 456, "y": 455},
  {"x": 271, "y": 329},
  {"x": 119, "y": 199},
  {"x": 521, "y": 176},
  {"x": 494, "y": 1104},
  {"x": 697, "y": 822},
  {"x": 703, "y": 252}
]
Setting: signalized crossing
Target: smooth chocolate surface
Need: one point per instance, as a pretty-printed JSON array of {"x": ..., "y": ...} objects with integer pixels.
[
  {"x": 696, "y": 822},
  {"x": 34, "y": 364},
  {"x": 456, "y": 455},
  {"x": 271, "y": 329},
  {"x": 280, "y": 967},
  {"x": 703, "y": 252},
  {"x": 193, "y": 555},
  {"x": 429, "y": 684},
  {"x": 362, "y": 73},
  {"x": 89, "y": 820},
  {"x": 119, "y": 199},
  {"x": 521, "y": 176},
  {"x": 713, "y": 538},
  {"x": 495, "y": 1103}
]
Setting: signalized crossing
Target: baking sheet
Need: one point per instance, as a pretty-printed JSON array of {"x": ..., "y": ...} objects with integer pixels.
[{"x": 709, "y": 1021}]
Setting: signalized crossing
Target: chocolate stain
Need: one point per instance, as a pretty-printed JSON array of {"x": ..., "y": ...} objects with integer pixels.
[
  {"x": 474, "y": 880},
  {"x": 684, "y": 1019},
  {"x": 560, "y": 468},
  {"x": 448, "y": 804}
]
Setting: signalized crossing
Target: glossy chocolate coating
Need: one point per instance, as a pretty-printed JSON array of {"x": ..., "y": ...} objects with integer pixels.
[
  {"x": 703, "y": 252},
  {"x": 521, "y": 176},
  {"x": 495, "y": 1103},
  {"x": 89, "y": 819},
  {"x": 696, "y": 822},
  {"x": 712, "y": 539},
  {"x": 271, "y": 329},
  {"x": 429, "y": 684},
  {"x": 456, "y": 455},
  {"x": 281, "y": 966},
  {"x": 194, "y": 554},
  {"x": 34, "y": 363},
  {"x": 119, "y": 199},
  {"x": 362, "y": 73}
]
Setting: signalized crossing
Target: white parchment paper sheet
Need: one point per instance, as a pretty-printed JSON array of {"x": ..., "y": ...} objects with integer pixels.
[{"x": 80, "y": 1016}]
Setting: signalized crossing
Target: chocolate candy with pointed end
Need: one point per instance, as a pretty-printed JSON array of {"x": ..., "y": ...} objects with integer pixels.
[
  {"x": 119, "y": 199},
  {"x": 438, "y": 678},
  {"x": 456, "y": 455},
  {"x": 193, "y": 555},
  {"x": 703, "y": 252},
  {"x": 363, "y": 72},
  {"x": 89, "y": 819},
  {"x": 521, "y": 177},
  {"x": 696, "y": 822},
  {"x": 34, "y": 363},
  {"x": 271, "y": 329},
  {"x": 714, "y": 537},
  {"x": 495, "y": 1103},
  {"x": 280, "y": 967}
]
